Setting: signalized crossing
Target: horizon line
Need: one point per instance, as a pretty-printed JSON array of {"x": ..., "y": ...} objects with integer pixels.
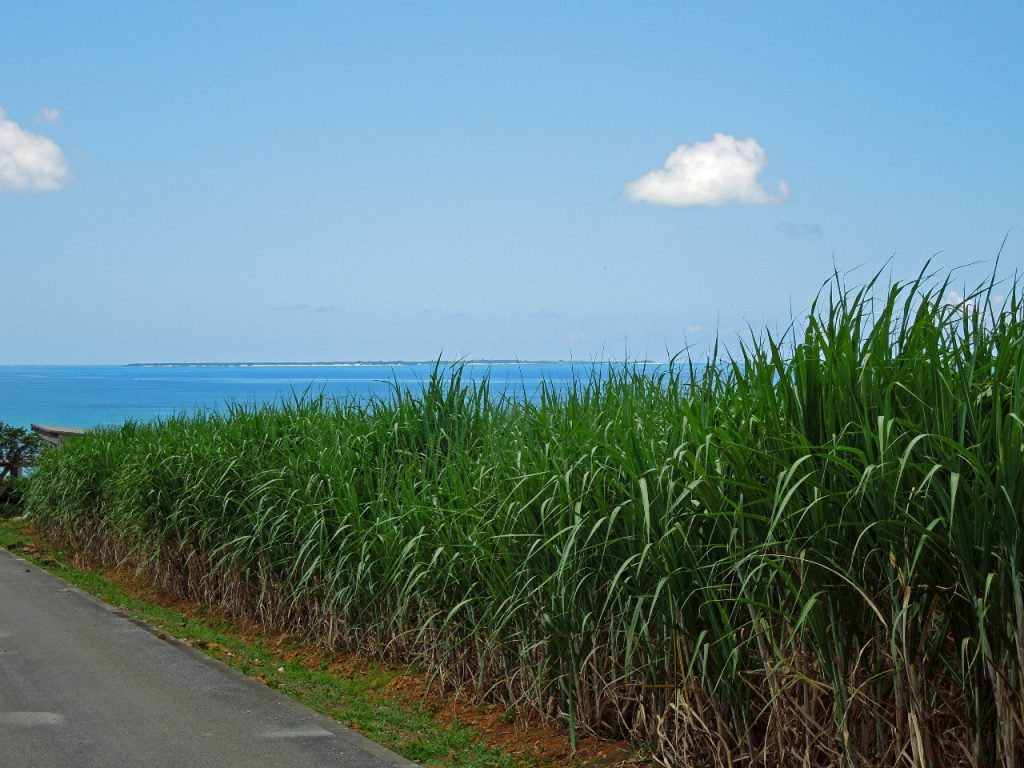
[
  {"x": 336, "y": 363},
  {"x": 354, "y": 363}
]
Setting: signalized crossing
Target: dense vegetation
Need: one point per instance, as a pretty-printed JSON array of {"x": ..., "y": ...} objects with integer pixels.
[
  {"x": 805, "y": 552},
  {"x": 18, "y": 449}
]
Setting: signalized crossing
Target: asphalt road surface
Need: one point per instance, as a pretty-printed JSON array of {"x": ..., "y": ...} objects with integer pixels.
[{"x": 84, "y": 686}]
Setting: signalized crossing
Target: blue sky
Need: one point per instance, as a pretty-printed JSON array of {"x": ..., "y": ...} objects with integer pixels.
[{"x": 295, "y": 181}]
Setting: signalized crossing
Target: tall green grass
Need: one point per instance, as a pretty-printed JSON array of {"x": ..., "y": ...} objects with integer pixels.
[{"x": 805, "y": 552}]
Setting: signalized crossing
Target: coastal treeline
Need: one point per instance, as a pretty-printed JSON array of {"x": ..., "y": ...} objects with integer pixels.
[{"x": 803, "y": 551}]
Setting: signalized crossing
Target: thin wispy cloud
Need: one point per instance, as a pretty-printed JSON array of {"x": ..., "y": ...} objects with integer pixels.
[
  {"x": 319, "y": 308},
  {"x": 723, "y": 170},
  {"x": 48, "y": 115},
  {"x": 796, "y": 231},
  {"x": 29, "y": 162}
]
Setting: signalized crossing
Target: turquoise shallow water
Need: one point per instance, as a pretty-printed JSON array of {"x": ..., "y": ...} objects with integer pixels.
[{"x": 89, "y": 396}]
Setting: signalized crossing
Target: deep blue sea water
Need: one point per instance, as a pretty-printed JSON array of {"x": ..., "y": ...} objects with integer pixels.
[{"x": 90, "y": 396}]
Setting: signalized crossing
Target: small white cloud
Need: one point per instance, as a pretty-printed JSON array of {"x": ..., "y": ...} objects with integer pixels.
[
  {"x": 723, "y": 170},
  {"x": 29, "y": 162},
  {"x": 694, "y": 329},
  {"x": 956, "y": 299},
  {"x": 48, "y": 115}
]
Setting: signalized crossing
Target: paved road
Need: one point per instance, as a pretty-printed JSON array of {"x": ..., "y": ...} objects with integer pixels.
[{"x": 84, "y": 686}]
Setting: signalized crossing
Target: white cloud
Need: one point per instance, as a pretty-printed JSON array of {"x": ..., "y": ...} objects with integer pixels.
[
  {"x": 49, "y": 115},
  {"x": 956, "y": 299},
  {"x": 723, "y": 170},
  {"x": 29, "y": 162}
]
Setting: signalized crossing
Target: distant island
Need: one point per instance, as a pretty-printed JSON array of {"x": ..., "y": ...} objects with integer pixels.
[{"x": 369, "y": 363}]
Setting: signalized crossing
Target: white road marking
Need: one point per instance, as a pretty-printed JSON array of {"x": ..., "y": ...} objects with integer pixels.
[
  {"x": 297, "y": 733},
  {"x": 30, "y": 719}
]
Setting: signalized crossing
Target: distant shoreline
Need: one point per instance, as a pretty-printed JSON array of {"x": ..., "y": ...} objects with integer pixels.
[{"x": 378, "y": 363}]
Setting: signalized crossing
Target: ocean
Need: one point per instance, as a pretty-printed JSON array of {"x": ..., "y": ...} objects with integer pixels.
[{"x": 99, "y": 395}]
